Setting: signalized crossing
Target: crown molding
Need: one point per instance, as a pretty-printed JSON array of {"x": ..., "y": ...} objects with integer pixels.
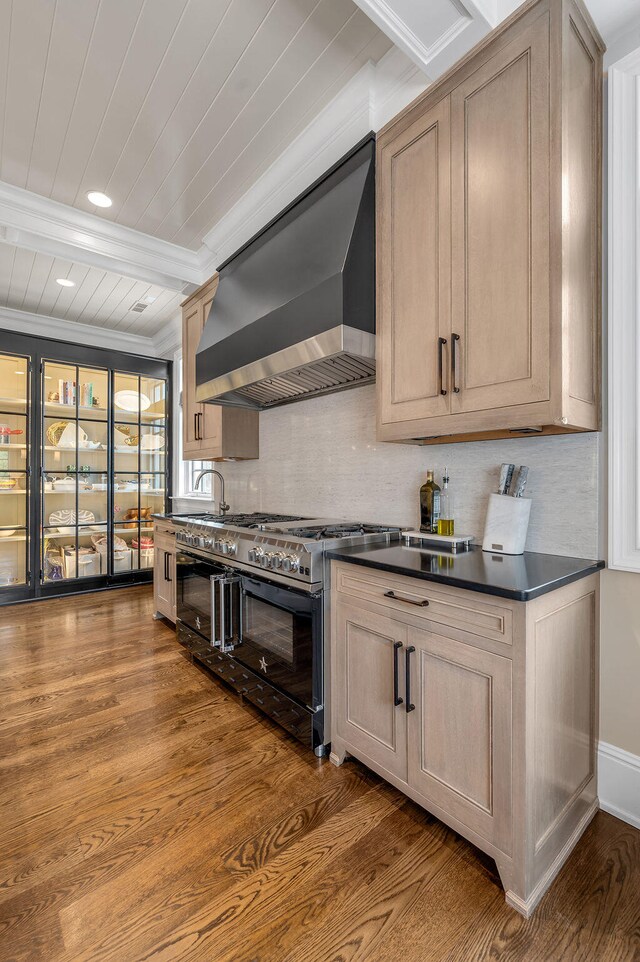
[
  {"x": 433, "y": 56},
  {"x": 168, "y": 339},
  {"x": 41, "y": 224},
  {"x": 60, "y": 330}
]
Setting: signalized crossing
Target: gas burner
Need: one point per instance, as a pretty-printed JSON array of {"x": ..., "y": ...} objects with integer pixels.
[
  {"x": 331, "y": 532},
  {"x": 249, "y": 520}
]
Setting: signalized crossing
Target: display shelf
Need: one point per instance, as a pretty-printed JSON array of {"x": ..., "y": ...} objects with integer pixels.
[
  {"x": 7, "y": 539},
  {"x": 12, "y": 405},
  {"x": 57, "y": 409}
]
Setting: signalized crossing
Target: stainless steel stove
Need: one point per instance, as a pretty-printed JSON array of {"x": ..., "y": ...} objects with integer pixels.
[
  {"x": 253, "y": 605},
  {"x": 290, "y": 547}
]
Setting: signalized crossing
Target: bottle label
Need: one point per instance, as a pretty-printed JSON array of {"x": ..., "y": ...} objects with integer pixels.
[{"x": 436, "y": 505}]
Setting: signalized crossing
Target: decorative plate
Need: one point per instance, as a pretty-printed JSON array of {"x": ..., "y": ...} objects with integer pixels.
[{"x": 131, "y": 401}]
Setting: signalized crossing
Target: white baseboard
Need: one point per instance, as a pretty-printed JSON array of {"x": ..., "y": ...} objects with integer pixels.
[{"x": 619, "y": 783}]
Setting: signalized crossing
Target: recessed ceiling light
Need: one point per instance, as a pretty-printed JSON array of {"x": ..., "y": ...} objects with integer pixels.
[
  {"x": 65, "y": 282},
  {"x": 99, "y": 199},
  {"x": 149, "y": 300}
]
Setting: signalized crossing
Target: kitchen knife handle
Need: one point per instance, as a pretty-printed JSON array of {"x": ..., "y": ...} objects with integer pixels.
[
  {"x": 455, "y": 341},
  {"x": 397, "y": 700},
  {"x": 441, "y": 343}
]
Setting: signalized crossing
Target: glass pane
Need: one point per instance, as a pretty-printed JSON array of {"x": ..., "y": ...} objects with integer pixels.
[
  {"x": 153, "y": 398},
  {"x": 13, "y": 566},
  {"x": 122, "y": 538},
  {"x": 59, "y": 388},
  {"x": 13, "y": 499},
  {"x": 126, "y": 439},
  {"x": 14, "y": 442},
  {"x": 92, "y": 448},
  {"x": 152, "y": 449},
  {"x": 59, "y": 502},
  {"x": 14, "y": 384},
  {"x": 126, "y": 397},
  {"x": 94, "y": 393},
  {"x": 60, "y": 443}
]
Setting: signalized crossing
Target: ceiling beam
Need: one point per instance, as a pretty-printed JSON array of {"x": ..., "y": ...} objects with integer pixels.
[{"x": 39, "y": 224}]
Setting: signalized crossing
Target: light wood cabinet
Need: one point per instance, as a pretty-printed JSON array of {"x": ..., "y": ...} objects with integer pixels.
[
  {"x": 211, "y": 432},
  {"x": 480, "y": 709},
  {"x": 164, "y": 571},
  {"x": 488, "y": 239},
  {"x": 368, "y": 661}
]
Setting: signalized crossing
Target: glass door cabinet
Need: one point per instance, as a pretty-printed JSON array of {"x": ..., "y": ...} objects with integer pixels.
[
  {"x": 79, "y": 481},
  {"x": 15, "y": 411}
]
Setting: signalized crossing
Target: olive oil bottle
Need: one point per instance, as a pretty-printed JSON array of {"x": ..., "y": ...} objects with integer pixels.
[
  {"x": 445, "y": 521},
  {"x": 429, "y": 505}
]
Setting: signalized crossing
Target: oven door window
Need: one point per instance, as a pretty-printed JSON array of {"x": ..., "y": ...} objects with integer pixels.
[{"x": 281, "y": 636}]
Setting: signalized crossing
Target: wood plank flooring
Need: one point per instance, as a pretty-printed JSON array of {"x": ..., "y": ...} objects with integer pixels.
[{"x": 146, "y": 814}]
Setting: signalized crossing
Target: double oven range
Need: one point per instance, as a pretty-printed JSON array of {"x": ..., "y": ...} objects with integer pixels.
[{"x": 253, "y": 606}]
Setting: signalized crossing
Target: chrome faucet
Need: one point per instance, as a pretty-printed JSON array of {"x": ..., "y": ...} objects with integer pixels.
[{"x": 223, "y": 506}]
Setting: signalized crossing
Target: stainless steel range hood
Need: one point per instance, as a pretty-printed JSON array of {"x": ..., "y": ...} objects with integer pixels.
[{"x": 294, "y": 312}]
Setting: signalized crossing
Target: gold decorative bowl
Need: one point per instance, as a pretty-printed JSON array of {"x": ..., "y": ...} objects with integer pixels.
[{"x": 7, "y": 483}]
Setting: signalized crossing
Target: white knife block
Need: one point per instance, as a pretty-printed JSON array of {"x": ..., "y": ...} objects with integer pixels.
[{"x": 505, "y": 530}]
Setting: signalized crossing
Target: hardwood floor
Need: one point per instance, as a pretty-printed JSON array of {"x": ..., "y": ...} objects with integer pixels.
[{"x": 146, "y": 814}]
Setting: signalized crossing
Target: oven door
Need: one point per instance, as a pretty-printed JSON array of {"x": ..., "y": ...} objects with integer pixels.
[
  {"x": 205, "y": 599},
  {"x": 281, "y": 632}
]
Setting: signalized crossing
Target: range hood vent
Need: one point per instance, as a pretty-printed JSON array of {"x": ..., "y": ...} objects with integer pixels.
[{"x": 294, "y": 312}]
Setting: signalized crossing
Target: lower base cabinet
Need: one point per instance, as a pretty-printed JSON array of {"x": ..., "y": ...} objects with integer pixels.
[
  {"x": 164, "y": 571},
  {"x": 481, "y": 710}
]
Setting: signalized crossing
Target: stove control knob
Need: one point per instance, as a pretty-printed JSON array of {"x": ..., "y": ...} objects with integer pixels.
[
  {"x": 265, "y": 558},
  {"x": 277, "y": 559},
  {"x": 208, "y": 542},
  {"x": 254, "y": 555},
  {"x": 201, "y": 541},
  {"x": 227, "y": 547},
  {"x": 290, "y": 562}
]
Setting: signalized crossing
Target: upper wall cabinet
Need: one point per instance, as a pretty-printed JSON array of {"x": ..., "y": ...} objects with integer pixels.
[
  {"x": 489, "y": 240},
  {"x": 211, "y": 432}
]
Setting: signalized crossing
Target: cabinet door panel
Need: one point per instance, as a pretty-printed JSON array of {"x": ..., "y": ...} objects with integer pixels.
[
  {"x": 366, "y": 716},
  {"x": 500, "y": 227},
  {"x": 414, "y": 268},
  {"x": 460, "y": 733},
  {"x": 211, "y": 420},
  {"x": 191, "y": 331}
]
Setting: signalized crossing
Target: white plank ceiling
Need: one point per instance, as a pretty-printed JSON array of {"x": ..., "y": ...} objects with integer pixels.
[
  {"x": 172, "y": 107},
  {"x": 100, "y": 298}
]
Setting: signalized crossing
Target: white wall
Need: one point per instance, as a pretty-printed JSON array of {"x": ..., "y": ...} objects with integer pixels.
[{"x": 320, "y": 458}]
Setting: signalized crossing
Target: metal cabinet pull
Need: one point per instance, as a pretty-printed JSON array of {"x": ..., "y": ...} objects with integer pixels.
[
  {"x": 455, "y": 341},
  {"x": 195, "y": 427},
  {"x": 407, "y": 668},
  {"x": 198, "y": 416},
  {"x": 397, "y": 645},
  {"x": 441, "y": 343},
  {"x": 407, "y": 601},
  {"x": 167, "y": 570}
]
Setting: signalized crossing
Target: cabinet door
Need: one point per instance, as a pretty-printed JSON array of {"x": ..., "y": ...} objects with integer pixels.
[
  {"x": 459, "y": 735},
  {"x": 367, "y": 719},
  {"x": 211, "y": 420},
  {"x": 500, "y": 227},
  {"x": 414, "y": 270},
  {"x": 192, "y": 324},
  {"x": 164, "y": 579}
]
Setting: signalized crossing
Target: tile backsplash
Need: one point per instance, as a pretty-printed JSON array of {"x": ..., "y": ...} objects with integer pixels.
[{"x": 320, "y": 458}]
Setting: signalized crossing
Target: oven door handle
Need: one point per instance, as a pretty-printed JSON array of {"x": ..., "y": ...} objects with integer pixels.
[{"x": 215, "y": 642}]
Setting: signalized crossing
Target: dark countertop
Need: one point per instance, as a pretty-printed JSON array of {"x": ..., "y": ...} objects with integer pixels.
[{"x": 517, "y": 577}]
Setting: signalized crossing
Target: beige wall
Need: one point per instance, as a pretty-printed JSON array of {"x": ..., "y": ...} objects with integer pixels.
[{"x": 620, "y": 660}]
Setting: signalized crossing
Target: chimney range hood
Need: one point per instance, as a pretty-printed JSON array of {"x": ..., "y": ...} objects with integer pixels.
[{"x": 294, "y": 312}]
